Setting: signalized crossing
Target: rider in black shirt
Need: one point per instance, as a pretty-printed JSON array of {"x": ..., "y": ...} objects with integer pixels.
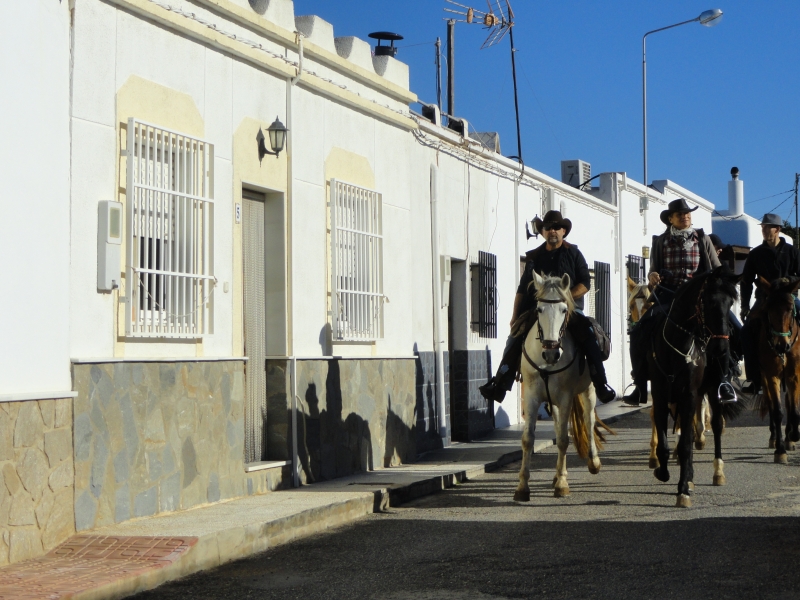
[{"x": 555, "y": 257}]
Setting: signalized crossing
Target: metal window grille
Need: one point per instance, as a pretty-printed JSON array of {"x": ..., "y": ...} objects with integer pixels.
[
  {"x": 170, "y": 206},
  {"x": 636, "y": 268},
  {"x": 589, "y": 304},
  {"x": 484, "y": 295},
  {"x": 356, "y": 263},
  {"x": 602, "y": 281}
]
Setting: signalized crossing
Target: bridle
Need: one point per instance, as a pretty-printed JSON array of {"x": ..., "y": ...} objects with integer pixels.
[
  {"x": 787, "y": 334},
  {"x": 546, "y": 373},
  {"x": 551, "y": 345}
]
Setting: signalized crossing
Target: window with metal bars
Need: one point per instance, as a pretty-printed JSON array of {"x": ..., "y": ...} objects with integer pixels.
[
  {"x": 356, "y": 263},
  {"x": 170, "y": 214},
  {"x": 602, "y": 294},
  {"x": 636, "y": 268},
  {"x": 484, "y": 295}
]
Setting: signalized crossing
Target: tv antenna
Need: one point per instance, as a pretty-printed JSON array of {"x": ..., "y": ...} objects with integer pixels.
[{"x": 499, "y": 22}]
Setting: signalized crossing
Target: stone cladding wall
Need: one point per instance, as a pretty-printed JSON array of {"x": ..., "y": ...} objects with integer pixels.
[
  {"x": 353, "y": 415},
  {"x": 159, "y": 437},
  {"x": 472, "y": 414},
  {"x": 36, "y": 477}
]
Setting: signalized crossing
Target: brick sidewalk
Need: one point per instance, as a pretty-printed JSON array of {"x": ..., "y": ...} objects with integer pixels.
[{"x": 88, "y": 562}]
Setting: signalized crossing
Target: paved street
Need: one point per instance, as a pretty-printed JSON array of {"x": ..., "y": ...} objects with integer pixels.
[{"x": 617, "y": 535}]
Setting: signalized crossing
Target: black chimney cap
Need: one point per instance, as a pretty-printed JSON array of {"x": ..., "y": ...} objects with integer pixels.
[
  {"x": 735, "y": 172},
  {"x": 387, "y": 36}
]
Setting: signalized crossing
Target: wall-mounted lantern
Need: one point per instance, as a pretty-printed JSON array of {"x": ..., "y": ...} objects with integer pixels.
[{"x": 277, "y": 139}]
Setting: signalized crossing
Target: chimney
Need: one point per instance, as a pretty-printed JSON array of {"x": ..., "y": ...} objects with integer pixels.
[{"x": 735, "y": 194}]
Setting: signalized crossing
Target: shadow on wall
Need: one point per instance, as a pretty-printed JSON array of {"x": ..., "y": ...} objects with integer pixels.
[
  {"x": 332, "y": 446},
  {"x": 427, "y": 413}
]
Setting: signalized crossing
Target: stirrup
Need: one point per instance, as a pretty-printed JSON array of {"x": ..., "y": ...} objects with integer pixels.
[{"x": 726, "y": 400}]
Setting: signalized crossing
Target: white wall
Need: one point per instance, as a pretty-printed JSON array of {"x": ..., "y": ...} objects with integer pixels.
[{"x": 34, "y": 197}]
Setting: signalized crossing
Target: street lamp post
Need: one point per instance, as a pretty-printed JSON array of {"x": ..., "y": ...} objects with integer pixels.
[{"x": 708, "y": 18}]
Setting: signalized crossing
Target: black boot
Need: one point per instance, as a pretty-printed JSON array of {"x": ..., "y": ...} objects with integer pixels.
[
  {"x": 596, "y": 370},
  {"x": 503, "y": 381},
  {"x": 726, "y": 393},
  {"x": 636, "y": 398}
]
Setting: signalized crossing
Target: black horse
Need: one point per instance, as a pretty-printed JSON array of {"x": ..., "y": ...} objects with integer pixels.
[{"x": 688, "y": 356}]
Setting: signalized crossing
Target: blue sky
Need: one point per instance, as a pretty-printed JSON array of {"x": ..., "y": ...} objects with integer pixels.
[{"x": 717, "y": 97}]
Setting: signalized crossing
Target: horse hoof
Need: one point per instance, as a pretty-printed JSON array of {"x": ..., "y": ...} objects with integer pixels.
[
  {"x": 594, "y": 469},
  {"x": 691, "y": 485},
  {"x": 771, "y": 445},
  {"x": 561, "y": 492},
  {"x": 555, "y": 479},
  {"x": 790, "y": 445},
  {"x": 699, "y": 445},
  {"x": 782, "y": 459},
  {"x": 653, "y": 464},
  {"x": 684, "y": 501},
  {"x": 522, "y": 496},
  {"x": 720, "y": 480},
  {"x": 661, "y": 474}
]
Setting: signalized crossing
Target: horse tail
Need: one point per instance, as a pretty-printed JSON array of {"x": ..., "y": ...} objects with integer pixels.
[
  {"x": 599, "y": 427},
  {"x": 761, "y": 405},
  {"x": 580, "y": 433}
]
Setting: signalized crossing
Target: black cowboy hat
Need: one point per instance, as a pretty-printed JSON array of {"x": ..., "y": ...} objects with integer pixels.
[
  {"x": 679, "y": 205},
  {"x": 553, "y": 217}
]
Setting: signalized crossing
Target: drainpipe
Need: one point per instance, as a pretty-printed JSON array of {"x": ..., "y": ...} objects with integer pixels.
[
  {"x": 437, "y": 306},
  {"x": 289, "y": 245},
  {"x": 623, "y": 280}
]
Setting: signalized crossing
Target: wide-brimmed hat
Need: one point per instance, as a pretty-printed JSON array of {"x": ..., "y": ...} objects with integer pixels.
[
  {"x": 553, "y": 217},
  {"x": 772, "y": 219},
  {"x": 679, "y": 205}
]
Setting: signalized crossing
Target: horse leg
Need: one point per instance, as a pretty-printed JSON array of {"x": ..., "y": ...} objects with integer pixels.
[
  {"x": 661, "y": 416},
  {"x": 589, "y": 400},
  {"x": 653, "y": 442},
  {"x": 685, "y": 455},
  {"x": 561, "y": 423},
  {"x": 792, "y": 415},
  {"x": 700, "y": 425},
  {"x": 773, "y": 393},
  {"x": 523, "y": 492},
  {"x": 718, "y": 428}
]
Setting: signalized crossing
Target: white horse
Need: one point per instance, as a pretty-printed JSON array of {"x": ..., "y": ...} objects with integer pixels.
[{"x": 551, "y": 370}]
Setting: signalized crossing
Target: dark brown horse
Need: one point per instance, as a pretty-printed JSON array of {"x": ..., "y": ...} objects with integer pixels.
[
  {"x": 687, "y": 358},
  {"x": 779, "y": 357}
]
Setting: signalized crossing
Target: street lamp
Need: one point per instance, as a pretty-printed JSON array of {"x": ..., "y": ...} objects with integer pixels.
[{"x": 707, "y": 18}]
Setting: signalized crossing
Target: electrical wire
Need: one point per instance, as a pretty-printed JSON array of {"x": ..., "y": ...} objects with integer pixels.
[{"x": 768, "y": 197}]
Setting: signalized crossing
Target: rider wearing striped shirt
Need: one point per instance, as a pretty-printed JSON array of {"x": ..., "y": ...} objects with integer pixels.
[{"x": 677, "y": 255}]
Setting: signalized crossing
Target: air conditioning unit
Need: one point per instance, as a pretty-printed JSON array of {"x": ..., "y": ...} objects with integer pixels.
[{"x": 575, "y": 172}]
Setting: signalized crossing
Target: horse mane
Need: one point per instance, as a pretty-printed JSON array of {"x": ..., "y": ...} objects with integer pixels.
[
  {"x": 553, "y": 284},
  {"x": 691, "y": 288}
]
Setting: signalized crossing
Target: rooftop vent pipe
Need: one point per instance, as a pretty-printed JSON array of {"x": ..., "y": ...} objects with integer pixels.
[
  {"x": 735, "y": 194},
  {"x": 388, "y": 37}
]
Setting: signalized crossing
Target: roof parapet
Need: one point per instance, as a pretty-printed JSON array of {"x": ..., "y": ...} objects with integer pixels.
[
  {"x": 280, "y": 12},
  {"x": 392, "y": 70},
  {"x": 356, "y": 50},
  {"x": 317, "y": 31}
]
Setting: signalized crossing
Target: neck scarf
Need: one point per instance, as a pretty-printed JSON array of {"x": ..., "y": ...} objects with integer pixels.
[{"x": 683, "y": 235}]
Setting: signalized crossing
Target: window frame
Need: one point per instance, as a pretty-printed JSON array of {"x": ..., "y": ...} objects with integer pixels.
[{"x": 170, "y": 206}]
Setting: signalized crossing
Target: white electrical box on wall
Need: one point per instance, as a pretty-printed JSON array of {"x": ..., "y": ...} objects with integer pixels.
[
  {"x": 109, "y": 245},
  {"x": 446, "y": 278}
]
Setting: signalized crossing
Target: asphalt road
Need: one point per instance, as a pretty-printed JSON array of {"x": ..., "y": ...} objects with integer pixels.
[{"x": 618, "y": 535}]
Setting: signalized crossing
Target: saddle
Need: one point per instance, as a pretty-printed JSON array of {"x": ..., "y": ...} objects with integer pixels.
[{"x": 527, "y": 319}]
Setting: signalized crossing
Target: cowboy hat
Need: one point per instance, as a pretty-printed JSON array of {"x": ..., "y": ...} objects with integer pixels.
[
  {"x": 553, "y": 217},
  {"x": 679, "y": 205}
]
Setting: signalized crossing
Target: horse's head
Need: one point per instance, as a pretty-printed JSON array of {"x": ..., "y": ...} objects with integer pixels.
[
  {"x": 555, "y": 304},
  {"x": 717, "y": 295},
  {"x": 779, "y": 311},
  {"x": 638, "y": 299}
]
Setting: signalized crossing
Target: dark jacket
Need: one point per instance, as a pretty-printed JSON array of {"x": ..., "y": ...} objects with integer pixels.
[
  {"x": 570, "y": 261},
  {"x": 769, "y": 263},
  {"x": 708, "y": 256}
]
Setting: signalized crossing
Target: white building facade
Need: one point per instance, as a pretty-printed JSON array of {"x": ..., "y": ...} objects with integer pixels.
[{"x": 204, "y": 322}]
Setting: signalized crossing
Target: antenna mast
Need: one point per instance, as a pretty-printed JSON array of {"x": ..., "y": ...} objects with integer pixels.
[{"x": 498, "y": 27}]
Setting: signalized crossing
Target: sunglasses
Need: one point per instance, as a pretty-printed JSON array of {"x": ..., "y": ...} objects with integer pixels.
[{"x": 551, "y": 226}]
